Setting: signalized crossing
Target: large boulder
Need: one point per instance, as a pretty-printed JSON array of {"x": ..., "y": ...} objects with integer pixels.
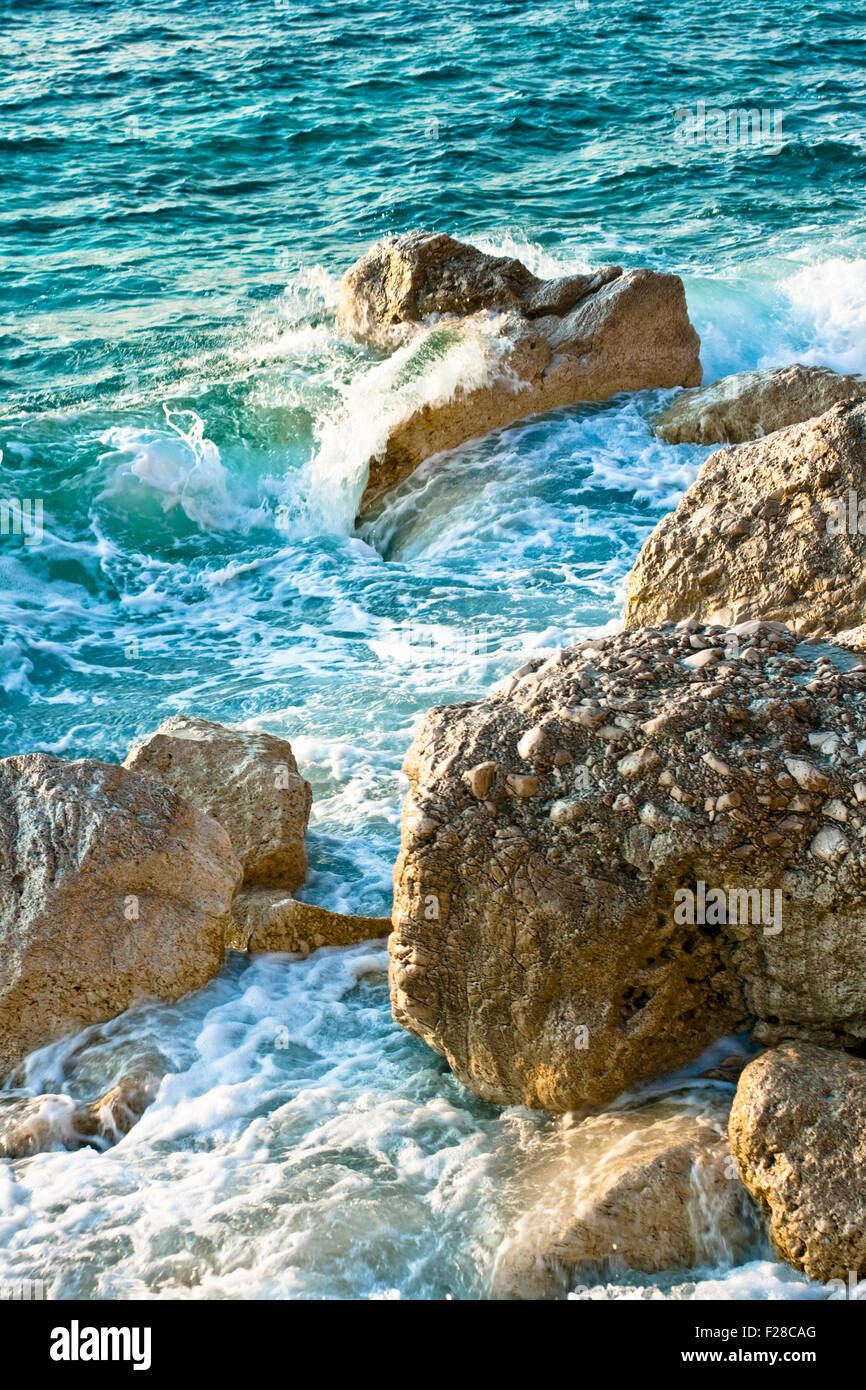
[
  {"x": 266, "y": 919},
  {"x": 557, "y": 930},
  {"x": 249, "y": 782},
  {"x": 767, "y": 530},
  {"x": 751, "y": 404},
  {"x": 112, "y": 887},
  {"x": 798, "y": 1134},
  {"x": 646, "y": 1189},
  {"x": 579, "y": 338}
]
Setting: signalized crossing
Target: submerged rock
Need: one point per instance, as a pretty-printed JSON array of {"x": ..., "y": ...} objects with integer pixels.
[
  {"x": 751, "y": 404},
  {"x": 112, "y": 887},
  {"x": 767, "y": 530},
  {"x": 626, "y": 852},
  {"x": 249, "y": 782},
  {"x": 40, "y": 1124},
  {"x": 647, "y": 1189},
  {"x": 798, "y": 1134},
  {"x": 579, "y": 338},
  {"x": 266, "y": 919}
]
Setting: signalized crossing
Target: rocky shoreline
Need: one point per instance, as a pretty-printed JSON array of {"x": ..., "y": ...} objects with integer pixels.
[{"x": 630, "y": 850}]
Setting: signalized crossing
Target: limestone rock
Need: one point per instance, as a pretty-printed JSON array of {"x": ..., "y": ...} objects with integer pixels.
[
  {"x": 580, "y": 338},
  {"x": 266, "y": 919},
  {"x": 798, "y": 1133},
  {"x": 542, "y": 942},
  {"x": 767, "y": 530},
  {"x": 646, "y": 1189},
  {"x": 404, "y": 280},
  {"x": 112, "y": 887},
  {"x": 749, "y": 405},
  {"x": 249, "y": 782}
]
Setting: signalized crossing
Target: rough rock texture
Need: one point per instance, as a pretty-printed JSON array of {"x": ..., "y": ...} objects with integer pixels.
[
  {"x": 112, "y": 887},
  {"x": 798, "y": 1133},
  {"x": 404, "y": 280},
  {"x": 265, "y": 919},
  {"x": 765, "y": 531},
  {"x": 548, "y": 831},
  {"x": 39, "y": 1124},
  {"x": 249, "y": 782},
  {"x": 751, "y": 404},
  {"x": 649, "y": 1189},
  {"x": 580, "y": 338}
]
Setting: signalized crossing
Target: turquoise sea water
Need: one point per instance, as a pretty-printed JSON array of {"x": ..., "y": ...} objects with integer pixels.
[{"x": 183, "y": 185}]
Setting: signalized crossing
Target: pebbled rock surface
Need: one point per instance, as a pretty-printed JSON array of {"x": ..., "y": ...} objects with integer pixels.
[{"x": 550, "y": 827}]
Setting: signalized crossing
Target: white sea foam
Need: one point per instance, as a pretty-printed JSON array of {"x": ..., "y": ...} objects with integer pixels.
[
  {"x": 828, "y": 302},
  {"x": 426, "y": 371},
  {"x": 180, "y": 467},
  {"x": 300, "y": 1144}
]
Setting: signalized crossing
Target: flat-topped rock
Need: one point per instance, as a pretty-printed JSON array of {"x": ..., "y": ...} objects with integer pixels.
[
  {"x": 267, "y": 919},
  {"x": 749, "y": 405}
]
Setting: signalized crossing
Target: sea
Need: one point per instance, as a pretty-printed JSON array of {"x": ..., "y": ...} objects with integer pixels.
[{"x": 183, "y": 184}]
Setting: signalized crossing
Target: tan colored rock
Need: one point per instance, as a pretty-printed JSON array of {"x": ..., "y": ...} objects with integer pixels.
[
  {"x": 115, "y": 1113},
  {"x": 798, "y": 1134},
  {"x": 765, "y": 532},
  {"x": 403, "y": 281},
  {"x": 542, "y": 946},
  {"x": 581, "y": 338},
  {"x": 752, "y": 404},
  {"x": 112, "y": 887},
  {"x": 266, "y": 919},
  {"x": 40, "y": 1124},
  {"x": 646, "y": 1189},
  {"x": 249, "y": 782}
]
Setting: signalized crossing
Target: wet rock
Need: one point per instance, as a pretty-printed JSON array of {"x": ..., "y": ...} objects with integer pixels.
[
  {"x": 112, "y": 888},
  {"x": 265, "y": 919},
  {"x": 798, "y": 1134},
  {"x": 46, "y": 1123},
  {"x": 656, "y": 891},
  {"x": 752, "y": 404},
  {"x": 581, "y": 338},
  {"x": 768, "y": 530},
  {"x": 249, "y": 782},
  {"x": 649, "y": 1189}
]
